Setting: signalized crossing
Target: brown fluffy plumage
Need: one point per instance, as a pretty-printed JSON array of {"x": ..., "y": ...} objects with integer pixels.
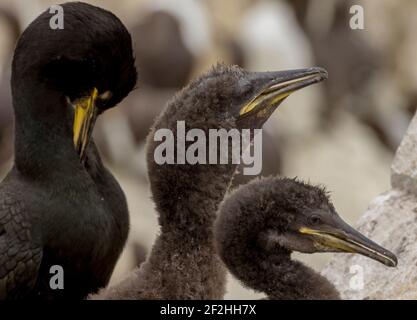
[
  {"x": 183, "y": 263},
  {"x": 249, "y": 217}
]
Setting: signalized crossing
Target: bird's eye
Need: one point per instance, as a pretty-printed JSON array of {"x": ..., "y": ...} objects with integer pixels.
[
  {"x": 315, "y": 220},
  {"x": 245, "y": 87},
  {"x": 104, "y": 98}
]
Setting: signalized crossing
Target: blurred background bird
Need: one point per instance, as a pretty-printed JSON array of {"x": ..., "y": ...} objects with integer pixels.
[{"x": 342, "y": 134}]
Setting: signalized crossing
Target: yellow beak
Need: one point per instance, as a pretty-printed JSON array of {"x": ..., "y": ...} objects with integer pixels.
[
  {"x": 279, "y": 85},
  {"x": 84, "y": 121},
  {"x": 346, "y": 239}
]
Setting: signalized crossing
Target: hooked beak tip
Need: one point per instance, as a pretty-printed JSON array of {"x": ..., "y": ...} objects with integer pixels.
[{"x": 321, "y": 72}]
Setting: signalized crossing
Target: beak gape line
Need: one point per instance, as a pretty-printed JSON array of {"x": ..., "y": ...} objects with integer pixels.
[
  {"x": 276, "y": 86},
  {"x": 84, "y": 120},
  {"x": 279, "y": 89},
  {"x": 344, "y": 238}
]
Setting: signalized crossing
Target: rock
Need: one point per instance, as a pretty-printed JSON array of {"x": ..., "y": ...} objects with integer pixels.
[
  {"x": 391, "y": 221},
  {"x": 404, "y": 167}
]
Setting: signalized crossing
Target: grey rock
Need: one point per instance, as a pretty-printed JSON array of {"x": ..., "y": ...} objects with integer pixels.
[{"x": 391, "y": 220}]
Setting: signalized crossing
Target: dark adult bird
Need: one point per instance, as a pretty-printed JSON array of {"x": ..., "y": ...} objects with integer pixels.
[
  {"x": 165, "y": 65},
  {"x": 59, "y": 205},
  {"x": 165, "y": 61},
  {"x": 183, "y": 263},
  {"x": 263, "y": 222}
]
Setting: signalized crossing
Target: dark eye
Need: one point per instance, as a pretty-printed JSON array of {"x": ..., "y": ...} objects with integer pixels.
[
  {"x": 245, "y": 87},
  {"x": 315, "y": 220}
]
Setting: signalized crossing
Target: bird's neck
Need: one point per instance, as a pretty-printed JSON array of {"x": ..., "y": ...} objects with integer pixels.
[
  {"x": 290, "y": 279},
  {"x": 187, "y": 198},
  {"x": 43, "y": 133},
  {"x": 276, "y": 275}
]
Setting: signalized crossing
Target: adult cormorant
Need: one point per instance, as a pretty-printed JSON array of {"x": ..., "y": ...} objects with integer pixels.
[
  {"x": 59, "y": 206},
  {"x": 183, "y": 263},
  {"x": 263, "y": 222}
]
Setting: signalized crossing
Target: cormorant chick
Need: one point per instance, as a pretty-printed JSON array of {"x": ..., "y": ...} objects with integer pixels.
[
  {"x": 183, "y": 263},
  {"x": 260, "y": 225},
  {"x": 59, "y": 205}
]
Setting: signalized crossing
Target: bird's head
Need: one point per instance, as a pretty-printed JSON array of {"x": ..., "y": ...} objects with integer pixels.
[
  {"x": 230, "y": 97},
  {"x": 295, "y": 216},
  {"x": 89, "y": 63},
  {"x": 225, "y": 98}
]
